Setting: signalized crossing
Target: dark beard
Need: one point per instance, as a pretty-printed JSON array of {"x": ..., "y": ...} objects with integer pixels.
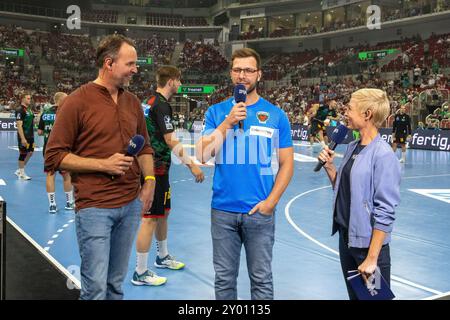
[{"x": 251, "y": 89}]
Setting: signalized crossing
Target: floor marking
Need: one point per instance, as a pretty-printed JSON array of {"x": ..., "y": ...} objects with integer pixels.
[
  {"x": 445, "y": 294},
  {"x": 17, "y": 148},
  {"x": 292, "y": 223},
  {"x": 438, "y": 194},
  {"x": 432, "y": 176},
  {"x": 303, "y": 158},
  {"x": 44, "y": 252}
]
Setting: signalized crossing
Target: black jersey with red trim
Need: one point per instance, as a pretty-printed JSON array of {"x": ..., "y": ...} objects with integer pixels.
[
  {"x": 159, "y": 120},
  {"x": 26, "y": 115}
]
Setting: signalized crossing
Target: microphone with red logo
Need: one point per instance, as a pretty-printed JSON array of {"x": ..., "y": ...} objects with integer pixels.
[
  {"x": 240, "y": 95},
  {"x": 337, "y": 137}
]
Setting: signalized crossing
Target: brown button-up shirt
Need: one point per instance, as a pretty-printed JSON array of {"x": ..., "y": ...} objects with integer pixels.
[{"x": 90, "y": 124}]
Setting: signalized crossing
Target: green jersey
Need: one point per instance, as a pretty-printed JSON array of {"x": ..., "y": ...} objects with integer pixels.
[{"x": 46, "y": 122}]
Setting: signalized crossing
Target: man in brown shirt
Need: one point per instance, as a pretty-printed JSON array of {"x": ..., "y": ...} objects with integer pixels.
[{"x": 89, "y": 138}]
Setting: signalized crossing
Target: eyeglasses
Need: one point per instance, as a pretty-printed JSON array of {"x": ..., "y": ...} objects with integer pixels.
[{"x": 246, "y": 70}]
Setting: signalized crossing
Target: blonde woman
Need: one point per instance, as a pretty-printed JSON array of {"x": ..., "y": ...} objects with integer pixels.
[{"x": 366, "y": 189}]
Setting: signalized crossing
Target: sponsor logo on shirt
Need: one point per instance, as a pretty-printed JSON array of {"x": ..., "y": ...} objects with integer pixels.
[
  {"x": 48, "y": 117},
  {"x": 261, "y": 131},
  {"x": 168, "y": 123}
]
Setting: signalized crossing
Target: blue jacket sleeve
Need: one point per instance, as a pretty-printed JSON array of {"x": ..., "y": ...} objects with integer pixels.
[{"x": 386, "y": 177}]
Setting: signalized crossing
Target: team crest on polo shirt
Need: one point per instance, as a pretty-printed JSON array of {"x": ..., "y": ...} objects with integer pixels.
[{"x": 262, "y": 116}]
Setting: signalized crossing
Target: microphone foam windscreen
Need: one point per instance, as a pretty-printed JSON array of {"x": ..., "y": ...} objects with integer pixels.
[
  {"x": 240, "y": 93},
  {"x": 339, "y": 134},
  {"x": 135, "y": 145}
]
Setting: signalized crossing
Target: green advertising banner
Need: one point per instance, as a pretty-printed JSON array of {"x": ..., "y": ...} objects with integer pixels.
[
  {"x": 196, "y": 89},
  {"x": 379, "y": 54},
  {"x": 11, "y": 52},
  {"x": 144, "y": 61}
]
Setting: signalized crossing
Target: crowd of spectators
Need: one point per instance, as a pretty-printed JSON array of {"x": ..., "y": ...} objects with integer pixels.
[
  {"x": 159, "y": 49},
  {"x": 73, "y": 60},
  {"x": 203, "y": 57},
  {"x": 297, "y": 100}
]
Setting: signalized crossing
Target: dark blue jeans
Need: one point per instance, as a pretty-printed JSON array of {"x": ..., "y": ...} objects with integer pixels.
[
  {"x": 351, "y": 258},
  {"x": 257, "y": 233}
]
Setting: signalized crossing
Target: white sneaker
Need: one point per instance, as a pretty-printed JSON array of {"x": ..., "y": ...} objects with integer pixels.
[
  {"x": 52, "y": 208},
  {"x": 17, "y": 173},
  {"x": 69, "y": 206},
  {"x": 169, "y": 262},
  {"x": 402, "y": 160},
  {"x": 148, "y": 278},
  {"x": 24, "y": 176}
]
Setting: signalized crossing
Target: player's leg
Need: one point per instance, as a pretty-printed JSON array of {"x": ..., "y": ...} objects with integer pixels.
[
  {"x": 163, "y": 258},
  {"x": 320, "y": 137},
  {"x": 394, "y": 145},
  {"x": 142, "y": 275},
  {"x": 403, "y": 159},
  {"x": 311, "y": 137},
  {"x": 50, "y": 186},
  {"x": 21, "y": 162},
  {"x": 27, "y": 158},
  {"x": 325, "y": 136},
  {"x": 30, "y": 150},
  {"x": 68, "y": 190}
]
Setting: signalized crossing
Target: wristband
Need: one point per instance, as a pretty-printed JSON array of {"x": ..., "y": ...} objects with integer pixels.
[{"x": 149, "y": 178}]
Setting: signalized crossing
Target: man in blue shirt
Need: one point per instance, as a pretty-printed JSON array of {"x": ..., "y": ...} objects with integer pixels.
[{"x": 245, "y": 189}]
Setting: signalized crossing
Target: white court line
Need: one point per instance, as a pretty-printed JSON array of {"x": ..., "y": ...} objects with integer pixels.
[
  {"x": 299, "y": 144},
  {"x": 17, "y": 148},
  {"x": 303, "y": 158},
  {"x": 63, "y": 270},
  {"x": 291, "y": 222},
  {"x": 438, "y": 296},
  {"x": 438, "y": 194},
  {"x": 432, "y": 176}
]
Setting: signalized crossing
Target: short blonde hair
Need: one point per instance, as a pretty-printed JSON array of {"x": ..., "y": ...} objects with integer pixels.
[
  {"x": 58, "y": 97},
  {"x": 375, "y": 100}
]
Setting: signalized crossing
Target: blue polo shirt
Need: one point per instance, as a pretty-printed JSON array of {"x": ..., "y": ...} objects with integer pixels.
[{"x": 244, "y": 174}]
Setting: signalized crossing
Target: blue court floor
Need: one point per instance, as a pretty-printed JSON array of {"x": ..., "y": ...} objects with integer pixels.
[{"x": 305, "y": 263}]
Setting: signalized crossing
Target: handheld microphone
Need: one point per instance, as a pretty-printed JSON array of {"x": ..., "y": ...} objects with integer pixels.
[
  {"x": 338, "y": 135},
  {"x": 135, "y": 145},
  {"x": 240, "y": 95}
]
